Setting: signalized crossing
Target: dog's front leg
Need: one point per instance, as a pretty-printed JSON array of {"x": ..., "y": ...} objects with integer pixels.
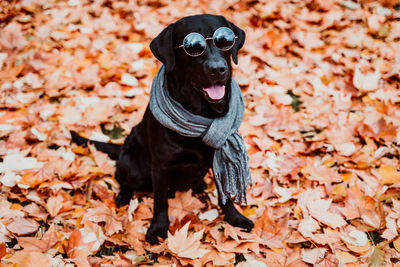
[
  {"x": 233, "y": 216},
  {"x": 160, "y": 223}
]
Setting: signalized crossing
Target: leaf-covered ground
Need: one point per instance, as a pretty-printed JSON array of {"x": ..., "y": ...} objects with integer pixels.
[{"x": 321, "y": 84}]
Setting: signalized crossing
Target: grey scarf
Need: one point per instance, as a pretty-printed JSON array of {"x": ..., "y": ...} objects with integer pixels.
[{"x": 231, "y": 162}]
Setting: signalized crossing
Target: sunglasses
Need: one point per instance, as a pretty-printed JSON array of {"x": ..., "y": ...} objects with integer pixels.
[{"x": 195, "y": 44}]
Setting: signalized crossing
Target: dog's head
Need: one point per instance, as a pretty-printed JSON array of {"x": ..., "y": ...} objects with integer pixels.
[{"x": 204, "y": 60}]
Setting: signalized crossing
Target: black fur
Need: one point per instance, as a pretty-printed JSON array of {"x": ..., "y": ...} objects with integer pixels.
[{"x": 154, "y": 158}]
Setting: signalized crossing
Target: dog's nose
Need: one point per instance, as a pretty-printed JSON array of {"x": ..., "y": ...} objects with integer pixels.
[{"x": 216, "y": 69}]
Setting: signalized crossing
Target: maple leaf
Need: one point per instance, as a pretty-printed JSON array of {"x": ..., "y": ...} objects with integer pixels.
[
  {"x": 185, "y": 246},
  {"x": 77, "y": 249},
  {"x": 134, "y": 236},
  {"x": 36, "y": 177},
  {"x": 101, "y": 213},
  {"x": 270, "y": 229},
  {"x": 307, "y": 226},
  {"x": 49, "y": 239},
  {"x": 218, "y": 258},
  {"x": 319, "y": 210},
  {"x": 182, "y": 204},
  {"x": 313, "y": 256},
  {"x": 57, "y": 204}
]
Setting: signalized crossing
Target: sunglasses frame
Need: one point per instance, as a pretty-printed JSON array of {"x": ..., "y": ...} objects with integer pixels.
[{"x": 206, "y": 39}]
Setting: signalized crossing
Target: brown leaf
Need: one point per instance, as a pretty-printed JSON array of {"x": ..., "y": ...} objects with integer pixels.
[
  {"x": 33, "y": 178},
  {"x": 186, "y": 246},
  {"x": 57, "y": 204},
  {"x": 271, "y": 230},
  {"x": 3, "y": 250},
  {"x": 134, "y": 237},
  {"x": 77, "y": 249},
  {"x": 12, "y": 37},
  {"x": 102, "y": 213},
  {"x": 23, "y": 226},
  {"x": 182, "y": 204},
  {"x": 49, "y": 239}
]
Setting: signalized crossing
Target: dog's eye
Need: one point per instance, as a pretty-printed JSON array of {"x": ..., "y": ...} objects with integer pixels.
[{"x": 194, "y": 44}]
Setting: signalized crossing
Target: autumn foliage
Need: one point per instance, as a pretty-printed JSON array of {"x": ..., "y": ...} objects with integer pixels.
[{"x": 321, "y": 81}]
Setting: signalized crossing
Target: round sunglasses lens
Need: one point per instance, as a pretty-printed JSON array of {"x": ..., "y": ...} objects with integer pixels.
[
  {"x": 224, "y": 38},
  {"x": 194, "y": 44}
]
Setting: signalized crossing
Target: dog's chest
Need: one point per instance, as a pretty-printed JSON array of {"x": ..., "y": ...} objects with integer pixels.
[{"x": 188, "y": 163}]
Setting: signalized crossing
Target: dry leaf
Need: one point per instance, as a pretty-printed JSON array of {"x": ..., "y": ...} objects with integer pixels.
[
  {"x": 22, "y": 226},
  {"x": 57, "y": 204},
  {"x": 319, "y": 210},
  {"x": 345, "y": 257},
  {"x": 183, "y": 203},
  {"x": 186, "y": 246},
  {"x": 49, "y": 239},
  {"x": 388, "y": 175},
  {"x": 77, "y": 249}
]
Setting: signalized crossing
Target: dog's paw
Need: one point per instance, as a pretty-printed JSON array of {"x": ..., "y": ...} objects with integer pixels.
[
  {"x": 156, "y": 230},
  {"x": 241, "y": 221},
  {"x": 123, "y": 198}
]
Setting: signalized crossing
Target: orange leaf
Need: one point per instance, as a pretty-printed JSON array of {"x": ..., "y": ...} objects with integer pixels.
[
  {"x": 388, "y": 175},
  {"x": 36, "y": 259},
  {"x": 182, "y": 245},
  {"x": 345, "y": 257},
  {"x": 3, "y": 250},
  {"x": 23, "y": 226},
  {"x": 77, "y": 249},
  {"x": 102, "y": 213},
  {"x": 33, "y": 178},
  {"x": 182, "y": 204},
  {"x": 57, "y": 204},
  {"x": 49, "y": 239},
  {"x": 396, "y": 244}
]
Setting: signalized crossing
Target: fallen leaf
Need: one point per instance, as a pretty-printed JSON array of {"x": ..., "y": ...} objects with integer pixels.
[
  {"x": 22, "y": 226},
  {"x": 209, "y": 215},
  {"x": 57, "y": 204},
  {"x": 3, "y": 250},
  {"x": 135, "y": 236},
  {"x": 183, "y": 203},
  {"x": 388, "y": 175},
  {"x": 376, "y": 258},
  {"x": 313, "y": 256},
  {"x": 36, "y": 177},
  {"x": 49, "y": 239},
  {"x": 396, "y": 244},
  {"x": 319, "y": 210},
  {"x": 345, "y": 257},
  {"x": 366, "y": 82},
  {"x": 218, "y": 258},
  {"x": 102, "y": 213},
  {"x": 186, "y": 246},
  {"x": 77, "y": 249},
  {"x": 34, "y": 259}
]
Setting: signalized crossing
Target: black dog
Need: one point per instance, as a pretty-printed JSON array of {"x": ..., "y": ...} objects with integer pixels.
[{"x": 154, "y": 158}]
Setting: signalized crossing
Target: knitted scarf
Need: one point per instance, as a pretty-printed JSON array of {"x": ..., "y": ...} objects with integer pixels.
[{"x": 230, "y": 162}]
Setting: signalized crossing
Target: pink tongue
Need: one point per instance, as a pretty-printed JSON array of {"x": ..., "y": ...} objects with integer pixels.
[{"x": 215, "y": 92}]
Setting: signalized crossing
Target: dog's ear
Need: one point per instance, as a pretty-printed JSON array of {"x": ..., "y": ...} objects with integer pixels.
[
  {"x": 239, "y": 41},
  {"x": 162, "y": 47}
]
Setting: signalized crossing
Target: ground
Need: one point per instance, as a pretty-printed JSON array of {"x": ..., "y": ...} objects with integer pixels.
[{"x": 321, "y": 84}]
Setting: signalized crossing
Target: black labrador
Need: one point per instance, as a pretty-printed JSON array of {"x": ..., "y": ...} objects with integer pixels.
[{"x": 196, "y": 52}]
